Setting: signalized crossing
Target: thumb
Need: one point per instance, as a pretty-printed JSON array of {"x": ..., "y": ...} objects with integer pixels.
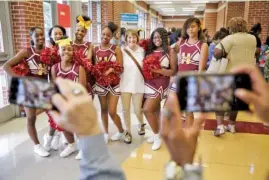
[{"x": 247, "y": 96}]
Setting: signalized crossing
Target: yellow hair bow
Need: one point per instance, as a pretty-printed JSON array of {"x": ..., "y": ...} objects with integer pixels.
[
  {"x": 64, "y": 42},
  {"x": 85, "y": 24}
]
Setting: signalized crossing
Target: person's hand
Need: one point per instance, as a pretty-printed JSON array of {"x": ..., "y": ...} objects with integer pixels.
[
  {"x": 76, "y": 110},
  {"x": 259, "y": 96},
  {"x": 180, "y": 142},
  {"x": 110, "y": 70},
  {"x": 158, "y": 71}
]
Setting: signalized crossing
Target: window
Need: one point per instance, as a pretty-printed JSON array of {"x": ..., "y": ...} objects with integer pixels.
[
  {"x": 5, "y": 32},
  {"x": 47, "y": 12}
]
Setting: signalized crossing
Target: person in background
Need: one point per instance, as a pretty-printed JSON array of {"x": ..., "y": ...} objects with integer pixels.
[
  {"x": 219, "y": 35},
  {"x": 256, "y": 31},
  {"x": 266, "y": 67},
  {"x": 239, "y": 48},
  {"x": 207, "y": 37},
  {"x": 174, "y": 37},
  {"x": 132, "y": 82},
  {"x": 156, "y": 89},
  {"x": 224, "y": 30},
  {"x": 263, "y": 55},
  {"x": 31, "y": 56},
  {"x": 116, "y": 40},
  {"x": 192, "y": 53}
]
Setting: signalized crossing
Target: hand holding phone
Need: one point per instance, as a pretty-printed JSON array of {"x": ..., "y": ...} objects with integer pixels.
[{"x": 211, "y": 92}]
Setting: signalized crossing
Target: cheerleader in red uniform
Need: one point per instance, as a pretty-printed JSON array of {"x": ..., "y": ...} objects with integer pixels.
[
  {"x": 192, "y": 53},
  {"x": 84, "y": 48},
  {"x": 51, "y": 139},
  {"x": 109, "y": 94},
  {"x": 67, "y": 69},
  {"x": 156, "y": 88},
  {"x": 31, "y": 56}
]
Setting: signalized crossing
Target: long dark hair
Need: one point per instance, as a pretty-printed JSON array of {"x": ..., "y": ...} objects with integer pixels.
[
  {"x": 50, "y": 32},
  {"x": 32, "y": 30},
  {"x": 187, "y": 24},
  {"x": 164, "y": 36},
  {"x": 256, "y": 28}
]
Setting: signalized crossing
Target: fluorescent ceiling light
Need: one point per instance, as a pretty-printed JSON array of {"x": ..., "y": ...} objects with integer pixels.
[
  {"x": 168, "y": 10},
  {"x": 164, "y": 2},
  {"x": 199, "y": 1}
]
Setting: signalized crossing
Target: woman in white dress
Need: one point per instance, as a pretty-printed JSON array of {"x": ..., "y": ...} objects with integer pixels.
[{"x": 132, "y": 82}]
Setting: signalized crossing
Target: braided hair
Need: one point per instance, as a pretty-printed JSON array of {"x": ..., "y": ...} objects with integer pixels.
[{"x": 164, "y": 37}]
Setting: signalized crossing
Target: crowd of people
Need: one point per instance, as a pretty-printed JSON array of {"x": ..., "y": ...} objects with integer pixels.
[{"x": 189, "y": 49}]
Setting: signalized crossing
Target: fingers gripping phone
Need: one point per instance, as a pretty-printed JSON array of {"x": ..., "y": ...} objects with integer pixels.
[
  {"x": 32, "y": 92},
  {"x": 211, "y": 92}
]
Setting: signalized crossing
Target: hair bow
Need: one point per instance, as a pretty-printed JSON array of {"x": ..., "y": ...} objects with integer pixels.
[
  {"x": 64, "y": 42},
  {"x": 85, "y": 24}
]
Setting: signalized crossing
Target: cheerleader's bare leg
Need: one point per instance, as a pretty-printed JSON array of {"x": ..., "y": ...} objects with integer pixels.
[
  {"x": 112, "y": 109},
  {"x": 104, "y": 111},
  {"x": 31, "y": 119}
]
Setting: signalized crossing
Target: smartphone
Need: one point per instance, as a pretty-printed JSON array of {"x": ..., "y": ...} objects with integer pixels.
[
  {"x": 32, "y": 92},
  {"x": 211, "y": 92}
]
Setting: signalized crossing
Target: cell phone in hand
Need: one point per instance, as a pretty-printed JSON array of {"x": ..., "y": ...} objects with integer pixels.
[
  {"x": 32, "y": 92},
  {"x": 211, "y": 92}
]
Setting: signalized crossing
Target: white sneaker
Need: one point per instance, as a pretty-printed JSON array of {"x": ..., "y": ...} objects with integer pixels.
[
  {"x": 47, "y": 142},
  {"x": 39, "y": 150},
  {"x": 106, "y": 137},
  {"x": 71, "y": 148},
  {"x": 118, "y": 136},
  {"x": 55, "y": 141},
  {"x": 150, "y": 140},
  {"x": 78, "y": 156},
  {"x": 230, "y": 128},
  {"x": 219, "y": 131},
  {"x": 156, "y": 143}
]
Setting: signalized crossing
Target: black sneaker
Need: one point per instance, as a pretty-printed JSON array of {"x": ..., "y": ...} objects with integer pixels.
[
  {"x": 141, "y": 129},
  {"x": 128, "y": 138}
]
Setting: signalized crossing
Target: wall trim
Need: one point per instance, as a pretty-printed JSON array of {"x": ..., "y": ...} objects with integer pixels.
[
  {"x": 171, "y": 20},
  {"x": 222, "y": 6}
]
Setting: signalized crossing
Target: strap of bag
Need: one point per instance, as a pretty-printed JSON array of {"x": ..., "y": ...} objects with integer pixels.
[
  {"x": 224, "y": 54},
  {"x": 135, "y": 61}
]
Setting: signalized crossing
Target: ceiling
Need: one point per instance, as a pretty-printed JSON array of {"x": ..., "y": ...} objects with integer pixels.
[{"x": 179, "y": 7}]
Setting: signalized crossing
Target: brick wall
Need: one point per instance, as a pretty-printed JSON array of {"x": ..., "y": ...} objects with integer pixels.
[
  {"x": 235, "y": 9},
  {"x": 210, "y": 18},
  {"x": 259, "y": 13},
  {"x": 107, "y": 12},
  {"x": 122, "y": 7},
  {"x": 25, "y": 15},
  {"x": 221, "y": 16}
]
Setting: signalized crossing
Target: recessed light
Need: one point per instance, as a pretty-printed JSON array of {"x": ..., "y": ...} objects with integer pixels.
[{"x": 163, "y": 2}]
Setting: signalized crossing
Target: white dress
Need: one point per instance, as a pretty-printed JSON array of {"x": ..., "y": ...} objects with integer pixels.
[{"x": 132, "y": 80}]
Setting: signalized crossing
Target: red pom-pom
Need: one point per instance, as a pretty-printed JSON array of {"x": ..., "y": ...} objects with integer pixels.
[
  {"x": 144, "y": 44},
  {"x": 82, "y": 60},
  {"x": 21, "y": 69},
  {"x": 150, "y": 62},
  {"x": 112, "y": 78},
  {"x": 49, "y": 56},
  {"x": 53, "y": 124}
]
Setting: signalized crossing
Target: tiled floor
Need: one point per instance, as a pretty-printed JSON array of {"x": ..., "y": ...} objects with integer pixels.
[{"x": 240, "y": 156}]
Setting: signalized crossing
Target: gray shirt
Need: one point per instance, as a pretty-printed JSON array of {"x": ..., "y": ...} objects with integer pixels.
[{"x": 96, "y": 162}]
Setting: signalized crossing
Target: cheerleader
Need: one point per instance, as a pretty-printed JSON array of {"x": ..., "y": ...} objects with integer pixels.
[
  {"x": 132, "y": 82},
  {"x": 109, "y": 95},
  {"x": 84, "y": 47},
  {"x": 31, "y": 56},
  {"x": 192, "y": 53},
  {"x": 56, "y": 33},
  {"x": 67, "y": 69},
  {"x": 156, "y": 89},
  {"x": 51, "y": 139}
]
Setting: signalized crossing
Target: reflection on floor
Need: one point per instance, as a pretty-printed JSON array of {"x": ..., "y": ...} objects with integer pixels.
[{"x": 241, "y": 156}]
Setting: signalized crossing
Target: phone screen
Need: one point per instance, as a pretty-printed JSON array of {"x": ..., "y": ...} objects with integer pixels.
[
  {"x": 212, "y": 93},
  {"x": 32, "y": 92}
]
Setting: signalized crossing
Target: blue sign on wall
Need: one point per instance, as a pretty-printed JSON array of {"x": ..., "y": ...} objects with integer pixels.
[{"x": 129, "y": 17}]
